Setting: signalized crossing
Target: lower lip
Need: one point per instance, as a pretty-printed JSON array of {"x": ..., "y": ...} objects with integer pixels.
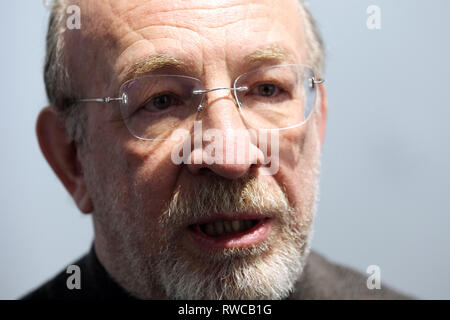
[{"x": 255, "y": 235}]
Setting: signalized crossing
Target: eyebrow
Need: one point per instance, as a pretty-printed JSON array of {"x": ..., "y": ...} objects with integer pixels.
[
  {"x": 272, "y": 53},
  {"x": 152, "y": 64}
]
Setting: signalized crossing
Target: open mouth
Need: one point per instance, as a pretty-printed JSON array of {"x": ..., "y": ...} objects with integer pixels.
[
  {"x": 224, "y": 233},
  {"x": 219, "y": 228}
]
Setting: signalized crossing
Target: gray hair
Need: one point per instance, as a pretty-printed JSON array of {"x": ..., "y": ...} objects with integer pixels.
[
  {"x": 59, "y": 86},
  {"x": 315, "y": 48}
]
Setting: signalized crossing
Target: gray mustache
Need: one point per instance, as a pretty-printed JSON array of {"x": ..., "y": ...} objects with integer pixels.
[{"x": 221, "y": 196}]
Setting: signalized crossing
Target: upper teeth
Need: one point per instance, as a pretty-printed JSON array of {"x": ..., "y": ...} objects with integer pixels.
[{"x": 220, "y": 227}]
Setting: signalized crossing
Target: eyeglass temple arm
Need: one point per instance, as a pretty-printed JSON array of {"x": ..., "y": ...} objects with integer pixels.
[{"x": 105, "y": 100}]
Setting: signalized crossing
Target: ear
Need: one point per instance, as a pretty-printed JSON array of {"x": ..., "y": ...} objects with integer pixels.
[
  {"x": 323, "y": 112},
  {"x": 61, "y": 153}
]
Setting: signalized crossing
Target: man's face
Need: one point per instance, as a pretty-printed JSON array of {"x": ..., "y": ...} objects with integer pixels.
[{"x": 156, "y": 222}]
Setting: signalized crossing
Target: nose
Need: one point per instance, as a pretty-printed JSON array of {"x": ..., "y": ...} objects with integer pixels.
[{"x": 221, "y": 141}]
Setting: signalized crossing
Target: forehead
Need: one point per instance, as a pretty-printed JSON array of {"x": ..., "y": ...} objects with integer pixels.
[{"x": 194, "y": 34}]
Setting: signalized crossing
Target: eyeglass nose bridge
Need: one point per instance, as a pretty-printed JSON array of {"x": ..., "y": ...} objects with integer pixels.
[{"x": 202, "y": 92}]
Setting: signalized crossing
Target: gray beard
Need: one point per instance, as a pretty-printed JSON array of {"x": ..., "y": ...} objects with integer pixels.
[
  {"x": 163, "y": 268},
  {"x": 266, "y": 272}
]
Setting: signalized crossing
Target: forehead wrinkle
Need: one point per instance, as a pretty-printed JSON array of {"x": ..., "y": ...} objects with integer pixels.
[{"x": 208, "y": 14}]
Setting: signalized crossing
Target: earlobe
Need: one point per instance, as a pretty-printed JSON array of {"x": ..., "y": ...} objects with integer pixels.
[
  {"x": 61, "y": 153},
  {"x": 323, "y": 112}
]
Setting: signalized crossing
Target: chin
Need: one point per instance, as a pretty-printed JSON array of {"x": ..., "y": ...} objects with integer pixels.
[{"x": 267, "y": 270}]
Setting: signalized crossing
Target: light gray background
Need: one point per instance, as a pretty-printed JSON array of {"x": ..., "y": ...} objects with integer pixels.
[{"x": 386, "y": 175}]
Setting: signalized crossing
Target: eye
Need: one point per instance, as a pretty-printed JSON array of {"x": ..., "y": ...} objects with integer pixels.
[
  {"x": 161, "y": 102},
  {"x": 266, "y": 90}
]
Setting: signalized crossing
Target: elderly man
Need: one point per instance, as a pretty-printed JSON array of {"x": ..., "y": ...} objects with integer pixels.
[{"x": 191, "y": 132}]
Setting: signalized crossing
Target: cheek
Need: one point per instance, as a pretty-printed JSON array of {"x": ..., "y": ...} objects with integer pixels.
[
  {"x": 137, "y": 180},
  {"x": 150, "y": 174},
  {"x": 299, "y": 166}
]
